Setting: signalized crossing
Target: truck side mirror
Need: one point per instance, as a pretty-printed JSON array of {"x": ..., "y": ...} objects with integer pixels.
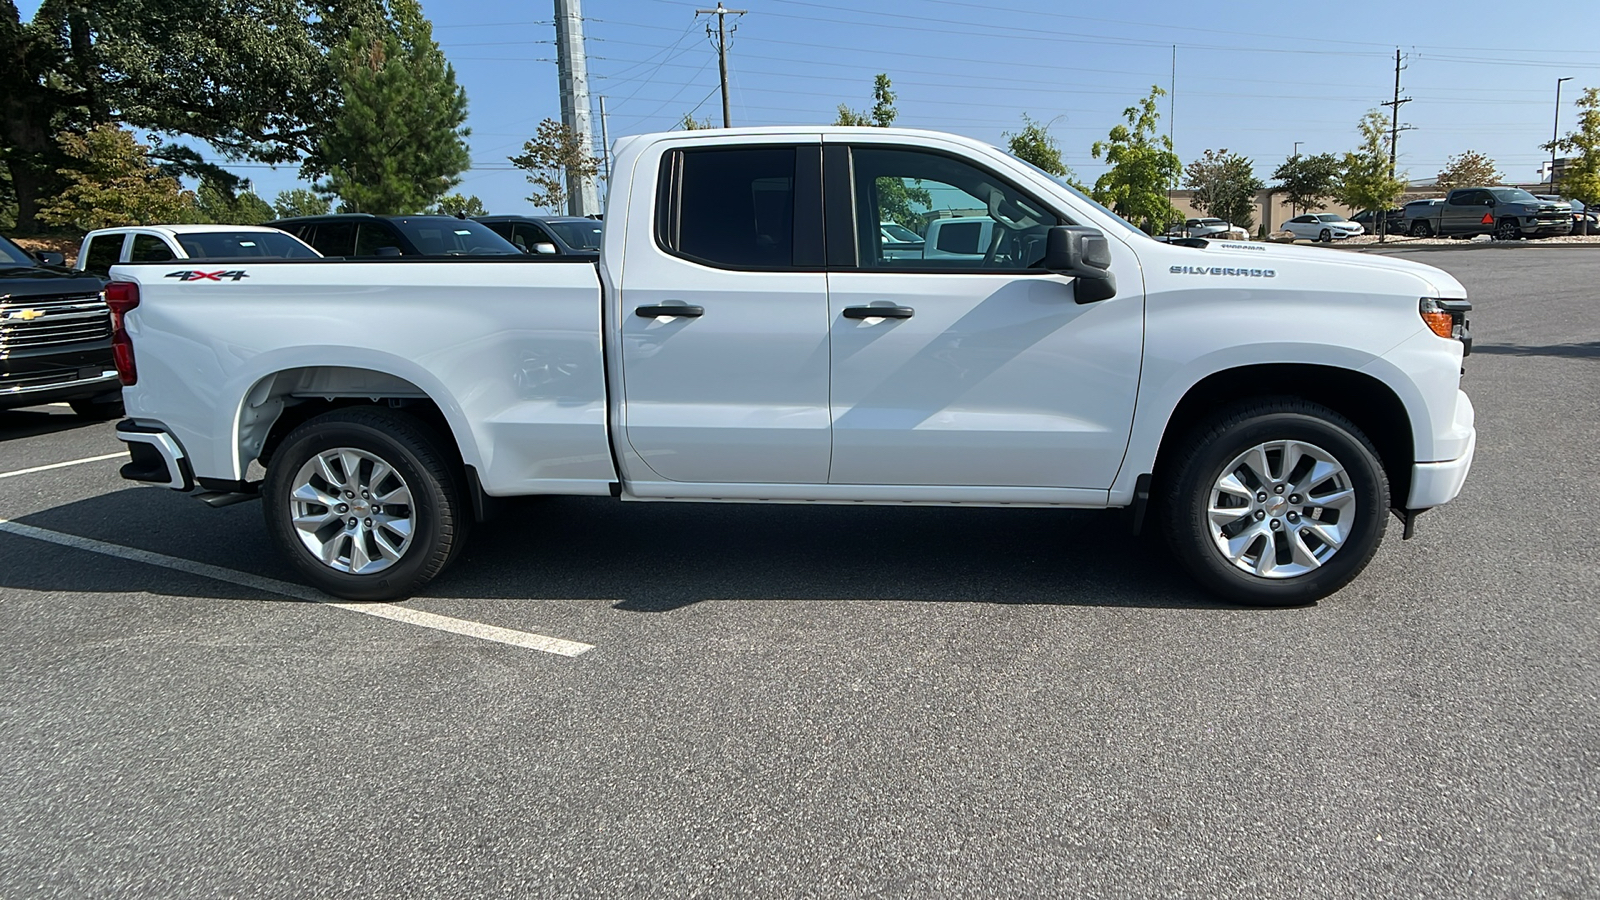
[
  {"x": 388, "y": 251},
  {"x": 543, "y": 248},
  {"x": 1085, "y": 254},
  {"x": 50, "y": 258}
]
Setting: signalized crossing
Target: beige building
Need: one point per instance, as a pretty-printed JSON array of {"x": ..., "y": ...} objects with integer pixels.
[{"x": 1271, "y": 208}]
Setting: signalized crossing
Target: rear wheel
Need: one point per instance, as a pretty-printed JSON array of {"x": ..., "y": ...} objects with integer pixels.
[
  {"x": 1276, "y": 503},
  {"x": 1421, "y": 229},
  {"x": 365, "y": 503}
]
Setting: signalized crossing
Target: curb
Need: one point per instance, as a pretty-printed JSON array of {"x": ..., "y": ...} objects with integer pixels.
[{"x": 1474, "y": 245}]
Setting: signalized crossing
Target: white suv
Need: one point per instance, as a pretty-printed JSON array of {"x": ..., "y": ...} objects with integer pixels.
[{"x": 105, "y": 247}]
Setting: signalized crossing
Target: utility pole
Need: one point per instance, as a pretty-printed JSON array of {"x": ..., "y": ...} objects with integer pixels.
[
  {"x": 605, "y": 142},
  {"x": 1294, "y": 210},
  {"x": 1555, "y": 134},
  {"x": 1382, "y": 216},
  {"x": 722, "y": 50},
  {"x": 573, "y": 71}
]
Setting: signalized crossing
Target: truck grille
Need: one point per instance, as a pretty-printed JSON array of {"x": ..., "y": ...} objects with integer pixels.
[{"x": 29, "y": 323}]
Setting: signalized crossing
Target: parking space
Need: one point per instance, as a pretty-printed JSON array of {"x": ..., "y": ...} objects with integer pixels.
[{"x": 821, "y": 701}]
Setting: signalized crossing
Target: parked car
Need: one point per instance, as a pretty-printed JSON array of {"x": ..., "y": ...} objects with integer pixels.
[
  {"x": 1394, "y": 221},
  {"x": 1506, "y": 213},
  {"x": 55, "y": 336},
  {"x": 559, "y": 235},
  {"x": 1209, "y": 227},
  {"x": 900, "y": 242},
  {"x": 105, "y": 247},
  {"x": 1323, "y": 227},
  {"x": 1416, "y": 215},
  {"x": 359, "y": 235},
  {"x": 741, "y": 341}
]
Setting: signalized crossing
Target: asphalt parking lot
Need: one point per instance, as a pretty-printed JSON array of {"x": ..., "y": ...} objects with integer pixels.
[{"x": 821, "y": 702}]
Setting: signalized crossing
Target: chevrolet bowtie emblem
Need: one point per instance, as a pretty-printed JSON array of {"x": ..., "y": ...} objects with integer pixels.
[{"x": 26, "y": 315}]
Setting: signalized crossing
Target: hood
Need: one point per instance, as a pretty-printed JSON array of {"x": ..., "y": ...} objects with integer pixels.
[
  {"x": 24, "y": 282},
  {"x": 1255, "y": 253}
]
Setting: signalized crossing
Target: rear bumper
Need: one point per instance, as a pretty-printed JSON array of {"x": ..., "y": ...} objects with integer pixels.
[{"x": 156, "y": 457}]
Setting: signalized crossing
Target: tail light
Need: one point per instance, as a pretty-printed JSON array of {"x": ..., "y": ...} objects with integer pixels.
[
  {"x": 1448, "y": 319},
  {"x": 122, "y": 297}
]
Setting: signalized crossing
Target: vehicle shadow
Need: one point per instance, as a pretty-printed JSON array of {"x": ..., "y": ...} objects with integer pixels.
[
  {"x": 25, "y": 423},
  {"x": 1589, "y": 350},
  {"x": 657, "y": 557}
]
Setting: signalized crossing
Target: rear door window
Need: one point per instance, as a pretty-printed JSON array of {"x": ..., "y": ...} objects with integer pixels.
[
  {"x": 334, "y": 238},
  {"x": 149, "y": 248},
  {"x": 735, "y": 209},
  {"x": 104, "y": 251}
]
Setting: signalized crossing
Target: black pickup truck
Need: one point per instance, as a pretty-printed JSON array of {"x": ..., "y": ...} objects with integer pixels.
[{"x": 55, "y": 336}]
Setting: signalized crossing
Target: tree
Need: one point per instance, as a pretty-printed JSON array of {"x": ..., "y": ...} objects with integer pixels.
[
  {"x": 554, "y": 153},
  {"x": 1225, "y": 186},
  {"x": 457, "y": 205},
  {"x": 399, "y": 141},
  {"x": 300, "y": 202},
  {"x": 1581, "y": 177},
  {"x": 225, "y": 205},
  {"x": 1033, "y": 144},
  {"x": 1143, "y": 166},
  {"x": 1366, "y": 182},
  {"x": 1467, "y": 169},
  {"x": 1308, "y": 181},
  {"x": 690, "y": 123},
  {"x": 883, "y": 112},
  {"x": 112, "y": 182}
]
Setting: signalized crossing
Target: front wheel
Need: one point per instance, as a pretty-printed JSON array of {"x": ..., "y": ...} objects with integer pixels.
[
  {"x": 1326, "y": 236},
  {"x": 365, "y": 504},
  {"x": 1276, "y": 503},
  {"x": 1507, "y": 230}
]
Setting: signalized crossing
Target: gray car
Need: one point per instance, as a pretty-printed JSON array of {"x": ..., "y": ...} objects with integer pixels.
[{"x": 1507, "y": 213}]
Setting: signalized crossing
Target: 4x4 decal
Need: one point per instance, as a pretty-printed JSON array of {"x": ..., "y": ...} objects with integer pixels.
[{"x": 193, "y": 275}]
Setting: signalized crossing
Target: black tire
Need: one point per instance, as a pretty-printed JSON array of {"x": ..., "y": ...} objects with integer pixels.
[
  {"x": 1421, "y": 229},
  {"x": 1507, "y": 230},
  {"x": 1185, "y": 496},
  {"x": 1326, "y": 236},
  {"x": 418, "y": 456},
  {"x": 99, "y": 409}
]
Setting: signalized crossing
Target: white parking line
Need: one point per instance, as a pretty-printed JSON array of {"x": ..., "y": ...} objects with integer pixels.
[
  {"x": 62, "y": 465},
  {"x": 417, "y": 617}
]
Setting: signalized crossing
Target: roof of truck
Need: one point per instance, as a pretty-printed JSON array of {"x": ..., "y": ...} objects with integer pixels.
[{"x": 182, "y": 229}]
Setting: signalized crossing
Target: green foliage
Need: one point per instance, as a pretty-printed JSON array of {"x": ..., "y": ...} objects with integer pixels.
[
  {"x": 112, "y": 182},
  {"x": 300, "y": 202},
  {"x": 1225, "y": 186},
  {"x": 1308, "y": 181},
  {"x": 457, "y": 205},
  {"x": 1366, "y": 183},
  {"x": 1581, "y": 177},
  {"x": 690, "y": 123},
  {"x": 399, "y": 142},
  {"x": 1034, "y": 144},
  {"x": 1143, "y": 166},
  {"x": 549, "y": 157},
  {"x": 224, "y": 205},
  {"x": 1468, "y": 169},
  {"x": 883, "y": 112}
]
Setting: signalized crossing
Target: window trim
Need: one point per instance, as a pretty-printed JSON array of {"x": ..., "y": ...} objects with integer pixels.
[
  {"x": 668, "y": 210},
  {"x": 835, "y": 183}
]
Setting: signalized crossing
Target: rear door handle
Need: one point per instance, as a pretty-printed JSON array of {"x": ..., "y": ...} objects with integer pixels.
[
  {"x": 688, "y": 312},
  {"x": 879, "y": 312}
]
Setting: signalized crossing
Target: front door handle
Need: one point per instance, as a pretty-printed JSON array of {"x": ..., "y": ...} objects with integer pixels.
[
  {"x": 878, "y": 312},
  {"x": 688, "y": 312}
]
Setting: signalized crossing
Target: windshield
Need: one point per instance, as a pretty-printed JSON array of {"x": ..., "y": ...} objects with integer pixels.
[
  {"x": 578, "y": 235},
  {"x": 12, "y": 255},
  {"x": 1085, "y": 198},
  {"x": 1514, "y": 195},
  {"x": 227, "y": 244},
  {"x": 1329, "y": 217},
  {"x": 446, "y": 236},
  {"x": 901, "y": 233}
]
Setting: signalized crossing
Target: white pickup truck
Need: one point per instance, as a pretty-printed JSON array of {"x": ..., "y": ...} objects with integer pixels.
[{"x": 744, "y": 338}]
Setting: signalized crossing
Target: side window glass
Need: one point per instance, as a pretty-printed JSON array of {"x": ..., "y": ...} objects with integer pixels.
[
  {"x": 335, "y": 238},
  {"x": 104, "y": 251},
  {"x": 525, "y": 236},
  {"x": 149, "y": 248},
  {"x": 371, "y": 236},
  {"x": 946, "y": 213},
  {"x": 736, "y": 207}
]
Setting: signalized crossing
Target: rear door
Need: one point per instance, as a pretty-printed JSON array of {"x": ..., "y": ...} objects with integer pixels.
[
  {"x": 724, "y": 315},
  {"x": 981, "y": 369}
]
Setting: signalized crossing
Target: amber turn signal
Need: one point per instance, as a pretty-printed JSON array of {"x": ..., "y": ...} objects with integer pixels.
[{"x": 1442, "y": 323}]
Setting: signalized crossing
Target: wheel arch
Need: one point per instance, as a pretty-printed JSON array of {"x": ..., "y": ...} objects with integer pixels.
[{"x": 1365, "y": 400}]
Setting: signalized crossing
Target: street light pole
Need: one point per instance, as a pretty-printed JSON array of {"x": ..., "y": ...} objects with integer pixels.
[{"x": 1555, "y": 134}]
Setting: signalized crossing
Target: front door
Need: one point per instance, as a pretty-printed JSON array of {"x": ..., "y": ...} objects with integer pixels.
[
  {"x": 724, "y": 311},
  {"x": 981, "y": 369}
]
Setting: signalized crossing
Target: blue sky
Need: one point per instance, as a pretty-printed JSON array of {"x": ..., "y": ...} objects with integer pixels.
[{"x": 1254, "y": 76}]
